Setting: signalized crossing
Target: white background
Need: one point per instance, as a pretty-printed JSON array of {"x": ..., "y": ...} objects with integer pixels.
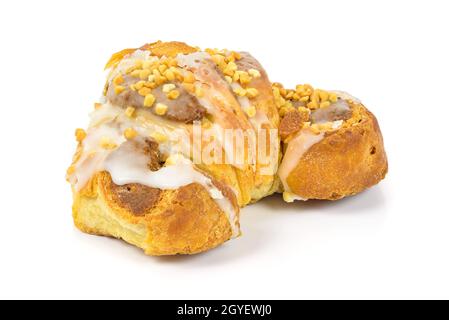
[{"x": 389, "y": 242}]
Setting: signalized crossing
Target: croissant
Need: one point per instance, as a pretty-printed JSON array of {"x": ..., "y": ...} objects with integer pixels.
[
  {"x": 332, "y": 144},
  {"x": 182, "y": 139}
]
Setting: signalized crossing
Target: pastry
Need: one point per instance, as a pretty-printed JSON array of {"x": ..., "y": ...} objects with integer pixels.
[
  {"x": 182, "y": 138},
  {"x": 143, "y": 173},
  {"x": 332, "y": 144}
]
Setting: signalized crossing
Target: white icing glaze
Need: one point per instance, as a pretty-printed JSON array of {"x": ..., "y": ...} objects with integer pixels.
[
  {"x": 127, "y": 165},
  {"x": 296, "y": 148}
]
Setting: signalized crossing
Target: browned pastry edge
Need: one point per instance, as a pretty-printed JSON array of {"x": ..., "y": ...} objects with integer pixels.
[
  {"x": 182, "y": 221},
  {"x": 344, "y": 163}
]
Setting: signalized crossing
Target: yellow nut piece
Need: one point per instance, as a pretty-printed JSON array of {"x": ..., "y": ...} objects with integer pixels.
[
  {"x": 129, "y": 112},
  {"x": 189, "y": 77},
  {"x": 161, "y": 109},
  {"x": 71, "y": 170},
  {"x": 135, "y": 73},
  {"x": 80, "y": 134},
  {"x": 162, "y": 68},
  {"x": 230, "y": 68},
  {"x": 144, "y": 91},
  {"x": 313, "y": 105},
  {"x": 251, "y": 111},
  {"x": 240, "y": 92},
  {"x": 118, "y": 89},
  {"x": 252, "y": 92},
  {"x": 325, "y": 104},
  {"x": 254, "y": 73},
  {"x": 144, "y": 74},
  {"x": 228, "y": 79},
  {"x": 333, "y": 97},
  {"x": 149, "y": 100},
  {"x": 139, "y": 85},
  {"x": 166, "y": 88},
  {"x": 172, "y": 95},
  {"x": 118, "y": 80},
  {"x": 130, "y": 133},
  {"x": 170, "y": 75},
  {"x": 151, "y": 78}
]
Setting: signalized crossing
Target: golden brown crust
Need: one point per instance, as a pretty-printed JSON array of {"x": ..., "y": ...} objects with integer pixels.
[
  {"x": 291, "y": 123},
  {"x": 169, "y": 49},
  {"x": 344, "y": 163},
  {"x": 182, "y": 221},
  {"x": 187, "y": 220}
]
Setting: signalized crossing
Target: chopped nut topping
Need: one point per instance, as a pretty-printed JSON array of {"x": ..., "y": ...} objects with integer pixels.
[
  {"x": 139, "y": 85},
  {"x": 71, "y": 170},
  {"x": 189, "y": 77},
  {"x": 151, "y": 78},
  {"x": 252, "y": 92},
  {"x": 118, "y": 89},
  {"x": 144, "y": 91},
  {"x": 254, "y": 73},
  {"x": 80, "y": 134},
  {"x": 244, "y": 77},
  {"x": 135, "y": 73},
  {"x": 240, "y": 92},
  {"x": 230, "y": 68},
  {"x": 170, "y": 74},
  {"x": 144, "y": 74},
  {"x": 251, "y": 111},
  {"x": 149, "y": 100},
  {"x": 118, "y": 80},
  {"x": 162, "y": 68},
  {"x": 325, "y": 104},
  {"x": 173, "y": 95},
  {"x": 161, "y": 109},
  {"x": 130, "y": 133},
  {"x": 166, "y": 88},
  {"x": 333, "y": 97}
]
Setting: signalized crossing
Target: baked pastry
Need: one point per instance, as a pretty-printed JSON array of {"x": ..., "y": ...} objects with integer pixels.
[
  {"x": 142, "y": 171},
  {"x": 183, "y": 138},
  {"x": 332, "y": 144}
]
